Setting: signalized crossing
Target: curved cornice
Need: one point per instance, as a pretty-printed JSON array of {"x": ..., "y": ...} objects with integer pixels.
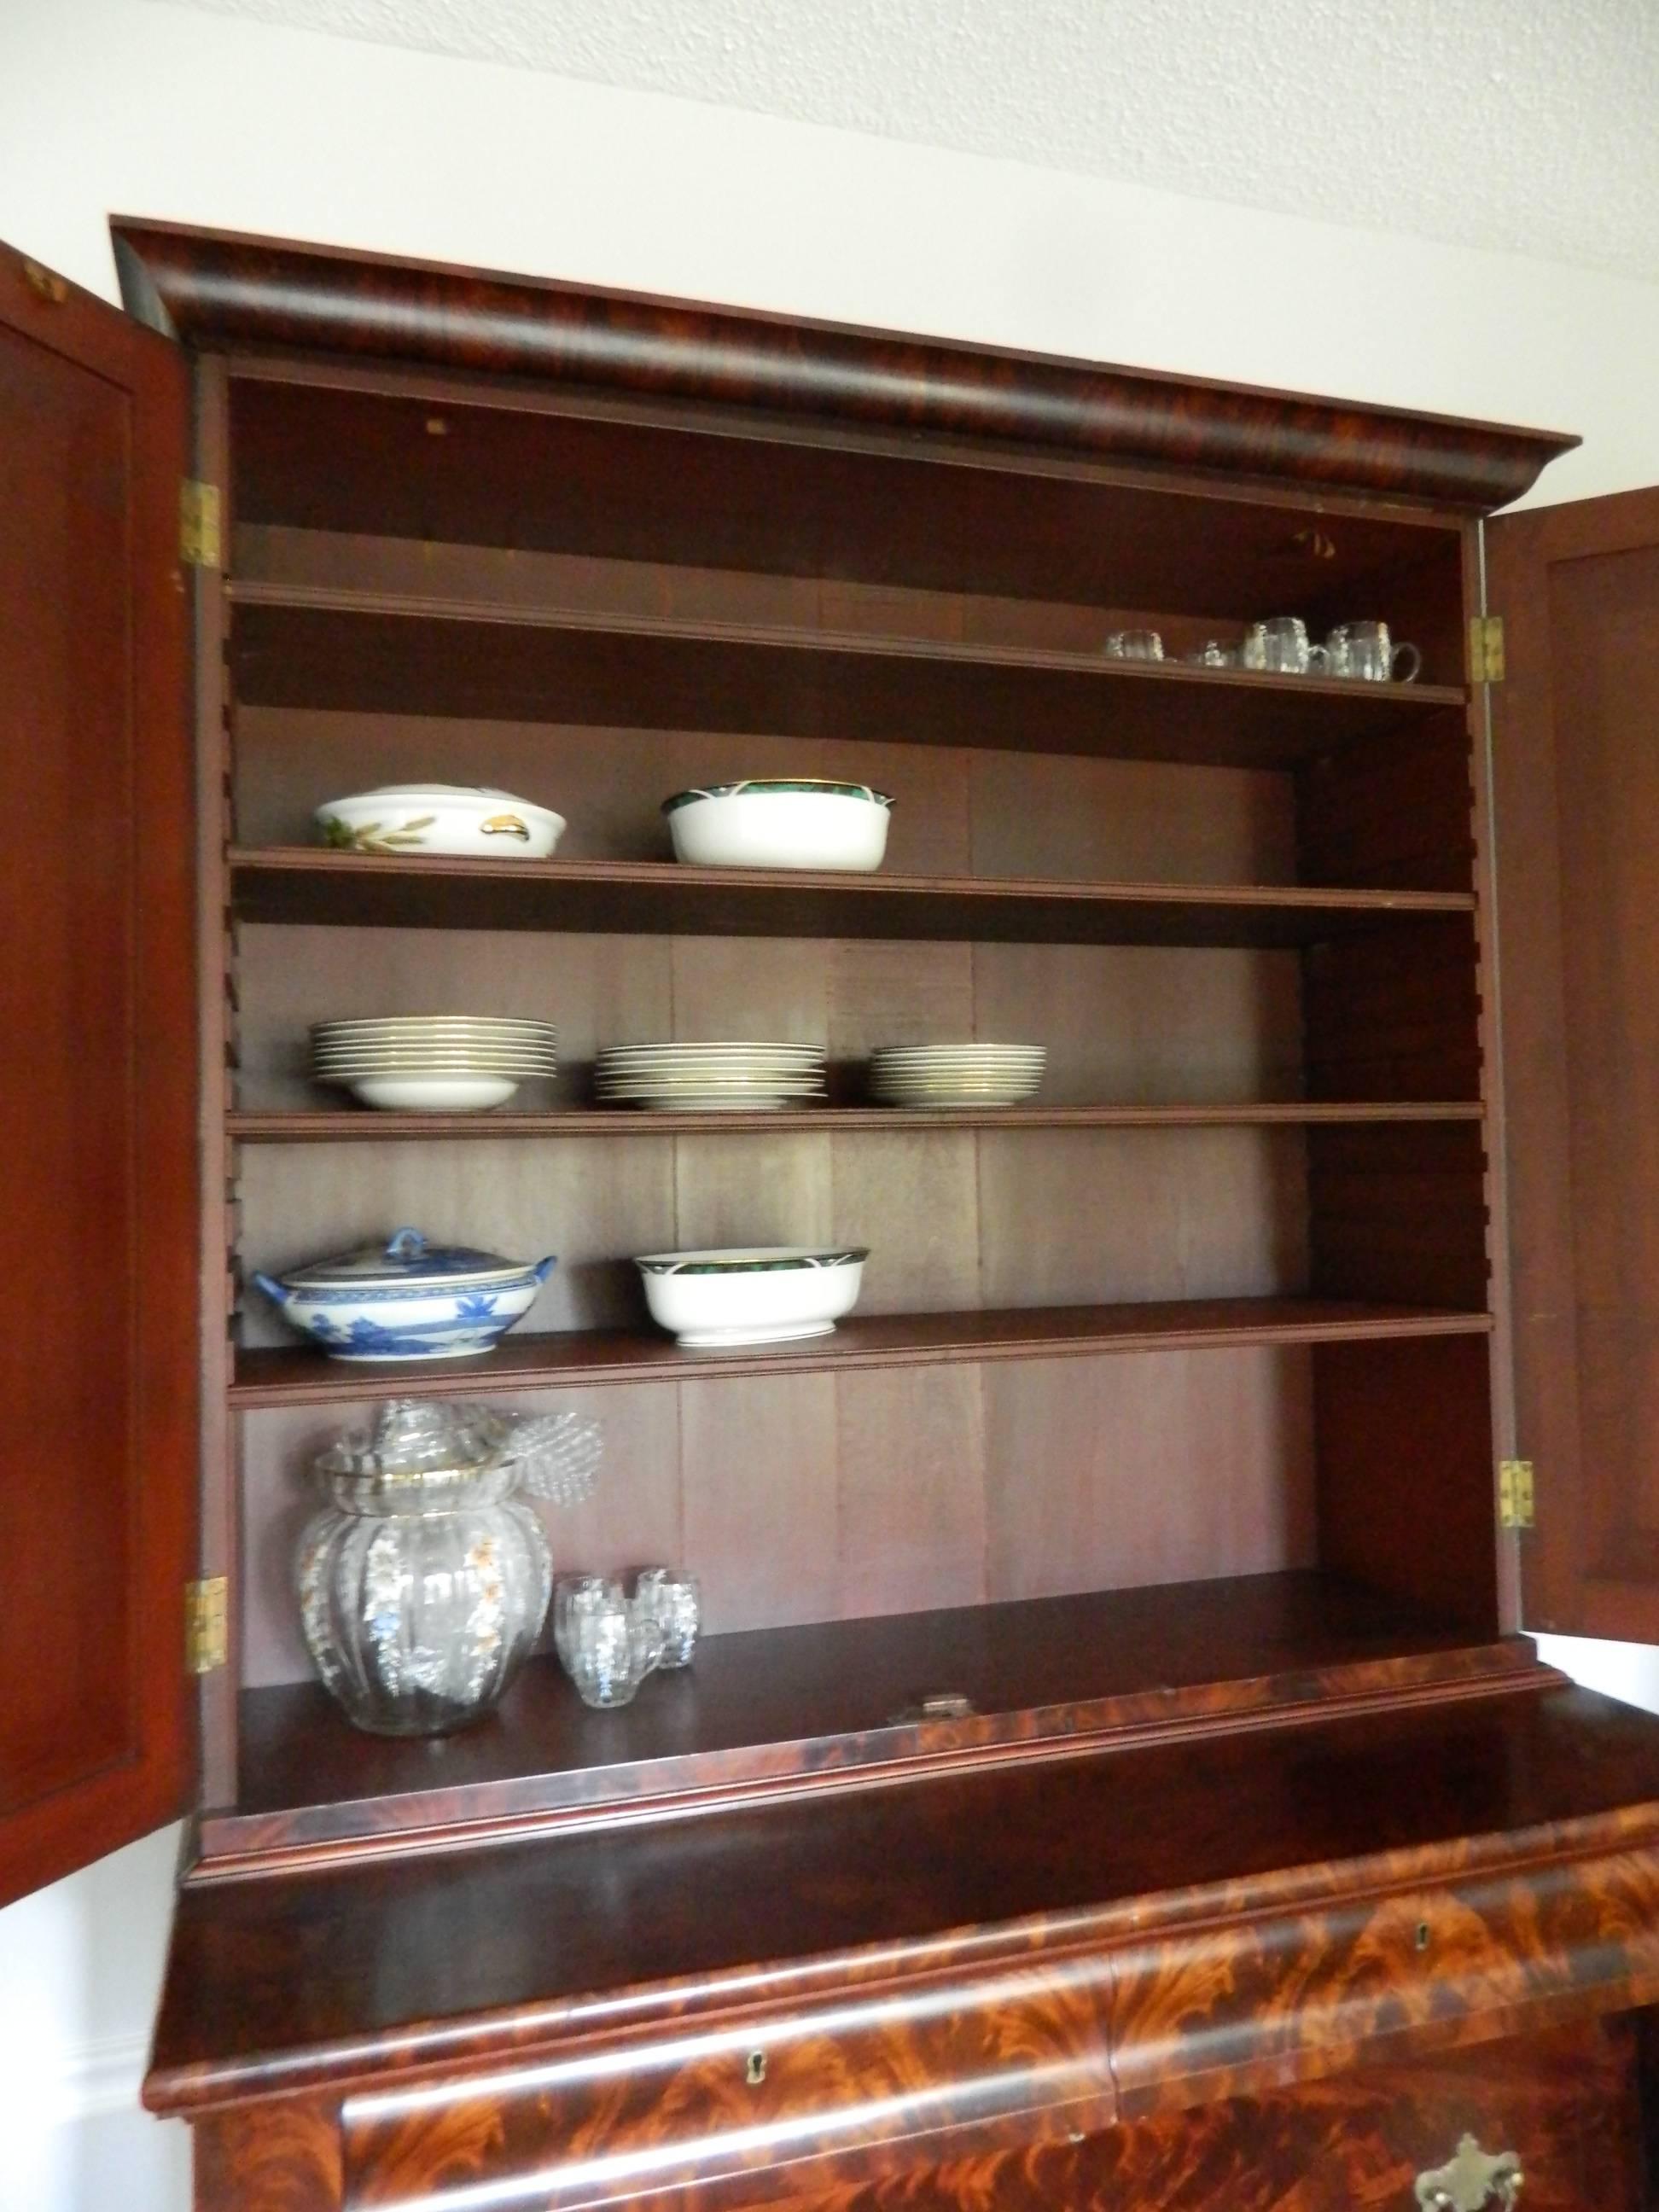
[{"x": 215, "y": 289}]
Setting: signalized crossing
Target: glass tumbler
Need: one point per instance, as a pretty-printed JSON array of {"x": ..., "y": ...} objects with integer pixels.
[
  {"x": 613, "y": 1646},
  {"x": 1134, "y": 645},
  {"x": 674, "y": 1601}
]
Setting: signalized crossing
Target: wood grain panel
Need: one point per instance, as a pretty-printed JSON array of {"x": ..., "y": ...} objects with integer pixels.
[
  {"x": 1407, "y": 1473},
  {"x": 759, "y": 1510},
  {"x": 98, "y": 1109},
  {"x": 1566, "y": 2101},
  {"x": 1145, "y": 1024},
  {"x": 1141, "y": 1214},
  {"x": 912, "y": 1480},
  {"x": 219, "y": 286},
  {"x": 1170, "y": 1467},
  {"x": 1519, "y": 1828},
  {"x": 593, "y": 1204}
]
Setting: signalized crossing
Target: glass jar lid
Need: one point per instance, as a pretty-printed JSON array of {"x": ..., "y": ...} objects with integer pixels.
[
  {"x": 416, "y": 1441},
  {"x": 404, "y": 1258}
]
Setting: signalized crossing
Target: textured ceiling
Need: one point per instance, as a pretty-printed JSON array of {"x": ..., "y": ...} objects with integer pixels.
[{"x": 1528, "y": 126}]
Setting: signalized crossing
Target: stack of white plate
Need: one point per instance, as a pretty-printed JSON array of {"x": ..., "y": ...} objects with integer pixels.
[
  {"x": 736, "y": 1078},
  {"x": 940, "y": 1075},
  {"x": 432, "y": 1063}
]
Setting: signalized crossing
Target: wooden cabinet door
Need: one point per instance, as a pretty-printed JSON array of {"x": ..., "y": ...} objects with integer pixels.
[
  {"x": 98, "y": 1412},
  {"x": 1575, "y": 769}
]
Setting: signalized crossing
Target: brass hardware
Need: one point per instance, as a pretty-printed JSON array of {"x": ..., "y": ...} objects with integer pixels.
[
  {"x": 198, "y": 524},
  {"x": 938, "y": 1705},
  {"x": 1486, "y": 649},
  {"x": 1469, "y": 2176},
  {"x": 1515, "y": 1494},
  {"x": 754, "y": 2072},
  {"x": 1316, "y": 544},
  {"x": 436, "y": 427},
  {"x": 206, "y": 1628},
  {"x": 45, "y": 284}
]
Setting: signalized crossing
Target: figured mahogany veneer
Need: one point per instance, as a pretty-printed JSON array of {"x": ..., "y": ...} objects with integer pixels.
[
  {"x": 659, "y": 897},
  {"x": 217, "y": 288},
  {"x": 269, "y": 1376},
  {"x": 836, "y": 1701},
  {"x": 1001, "y": 1956}
]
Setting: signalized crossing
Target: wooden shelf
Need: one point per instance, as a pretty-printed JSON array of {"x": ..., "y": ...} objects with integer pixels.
[
  {"x": 362, "y": 1125},
  {"x": 301, "y": 883},
  {"x": 816, "y": 1703},
  {"x": 379, "y": 652},
  {"x": 298, "y": 1375}
]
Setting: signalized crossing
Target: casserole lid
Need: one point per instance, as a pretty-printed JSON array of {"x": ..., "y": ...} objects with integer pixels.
[
  {"x": 437, "y": 792},
  {"x": 406, "y": 1259}
]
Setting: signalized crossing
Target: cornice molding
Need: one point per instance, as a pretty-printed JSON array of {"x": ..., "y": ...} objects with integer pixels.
[{"x": 216, "y": 290}]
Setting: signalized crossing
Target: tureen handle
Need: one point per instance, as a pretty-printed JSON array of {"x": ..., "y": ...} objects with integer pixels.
[{"x": 405, "y": 1244}]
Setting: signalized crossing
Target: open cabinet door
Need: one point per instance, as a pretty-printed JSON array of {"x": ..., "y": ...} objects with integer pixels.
[
  {"x": 1576, "y": 753},
  {"x": 98, "y": 1413}
]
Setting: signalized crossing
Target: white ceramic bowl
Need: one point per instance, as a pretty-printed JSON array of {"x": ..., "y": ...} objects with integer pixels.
[
  {"x": 759, "y": 1294},
  {"x": 794, "y": 823},
  {"x": 434, "y": 1094},
  {"x": 440, "y": 817}
]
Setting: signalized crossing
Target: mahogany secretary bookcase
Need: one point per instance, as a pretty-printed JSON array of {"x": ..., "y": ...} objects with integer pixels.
[{"x": 1113, "y": 1774}]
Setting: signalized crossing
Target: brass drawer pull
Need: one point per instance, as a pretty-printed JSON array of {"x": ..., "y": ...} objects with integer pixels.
[{"x": 1468, "y": 2179}]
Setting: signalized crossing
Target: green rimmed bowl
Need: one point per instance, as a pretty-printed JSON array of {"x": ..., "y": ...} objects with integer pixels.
[
  {"x": 751, "y": 1294},
  {"x": 794, "y": 822}
]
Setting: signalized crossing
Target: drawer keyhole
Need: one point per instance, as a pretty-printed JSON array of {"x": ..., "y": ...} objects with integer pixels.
[{"x": 754, "y": 2072}]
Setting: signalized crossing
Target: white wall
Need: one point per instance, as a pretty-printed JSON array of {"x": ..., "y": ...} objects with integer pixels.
[{"x": 143, "y": 108}]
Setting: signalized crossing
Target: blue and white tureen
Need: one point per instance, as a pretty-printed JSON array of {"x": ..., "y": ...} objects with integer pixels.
[{"x": 407, "y": 1299}]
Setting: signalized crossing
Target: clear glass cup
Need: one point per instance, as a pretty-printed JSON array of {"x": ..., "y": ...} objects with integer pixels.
[
  {"x": 611, "y": 1647},
  {"x": 1212, "y": 654},
  {"x": 1134, "y": 645},
  {"x": 1280, "y": 647},
  {"x": 574, "y": 1594},
  {"x": 674, "y": 1600},
  {"x": 1364, "y": 651}
]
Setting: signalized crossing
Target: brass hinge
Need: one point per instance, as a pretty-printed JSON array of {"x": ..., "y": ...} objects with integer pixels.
[
  {"x": 198, "y": 524},
  {"x": 207, "y": 1631},
  {"x": 1515, "y": 1494},
  {"x": 1486, "y": 649}
]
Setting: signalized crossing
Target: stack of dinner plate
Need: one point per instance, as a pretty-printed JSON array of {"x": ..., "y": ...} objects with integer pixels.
[
  {"x": 942, "y": 1075},
  {"x": 432, "y": 1063},
  {"x": 698, "y": 1078}
]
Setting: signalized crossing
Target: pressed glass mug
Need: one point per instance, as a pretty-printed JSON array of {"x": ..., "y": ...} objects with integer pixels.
[
  {"x": 1365, "y": 651},
  {"x": 1280, "y": 645}
]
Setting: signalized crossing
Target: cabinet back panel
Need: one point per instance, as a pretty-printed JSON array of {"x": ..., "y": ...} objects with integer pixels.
[
  {"x": 959, "y": 811},
  {"x": 954, "y": 1218},
  {"x": 1124, "y": 1025},
  {"x": 822, "y": 1498},
  {"x": 561, "y": 480}
]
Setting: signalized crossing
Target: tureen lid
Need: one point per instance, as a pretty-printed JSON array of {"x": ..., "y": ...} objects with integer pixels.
[{"x": 405, "y": 1257}]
